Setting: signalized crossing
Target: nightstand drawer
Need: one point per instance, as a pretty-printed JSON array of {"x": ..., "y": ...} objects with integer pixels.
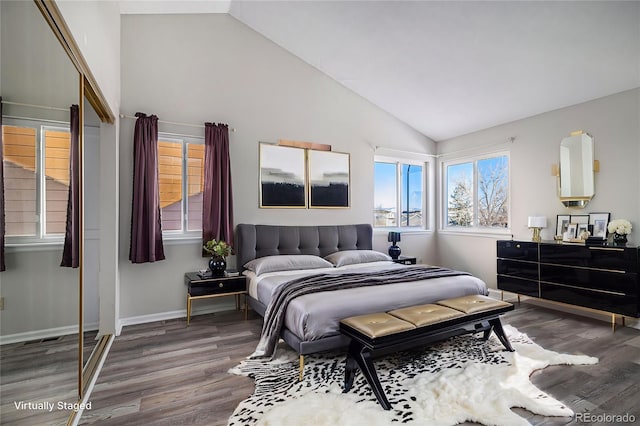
[{"x": 217, "y": 286}]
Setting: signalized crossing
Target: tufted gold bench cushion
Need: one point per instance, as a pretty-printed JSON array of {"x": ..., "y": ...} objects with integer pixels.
[
  {"x": 422, "y": 315},
  {"x": 473, "y": 304},
  {"x": 377, "y": 325}
]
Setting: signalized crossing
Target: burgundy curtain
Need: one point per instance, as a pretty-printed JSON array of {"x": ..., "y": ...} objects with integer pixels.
[
  {"x": 217, "y": 209},
  {"x": 2, "y": 226},
  {"x": 146, "y": 229},
  {"x": 71, "y": 252}
]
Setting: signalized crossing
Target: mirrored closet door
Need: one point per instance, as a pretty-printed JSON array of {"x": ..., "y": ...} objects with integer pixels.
[{"x": 49, "y": 316}]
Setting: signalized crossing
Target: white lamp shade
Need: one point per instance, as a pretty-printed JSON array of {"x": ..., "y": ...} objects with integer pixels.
[{"x": 537, "y": 222}]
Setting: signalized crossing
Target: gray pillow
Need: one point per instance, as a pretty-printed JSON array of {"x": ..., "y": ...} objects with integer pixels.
[
  {"x": 350, "y": 257},
  {"x": 286, "y": 262}
]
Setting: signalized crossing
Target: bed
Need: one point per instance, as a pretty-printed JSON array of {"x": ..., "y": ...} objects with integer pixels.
[{"x": 311, "y": 323}]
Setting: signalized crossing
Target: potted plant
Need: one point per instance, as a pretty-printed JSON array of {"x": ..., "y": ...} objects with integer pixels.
[
  {"x": 620, "y": 228},
  {"x": 218, "y": 250}
]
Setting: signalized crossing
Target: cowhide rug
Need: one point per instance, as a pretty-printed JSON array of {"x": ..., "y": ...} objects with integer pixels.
[{"x": 462, "y": 379}]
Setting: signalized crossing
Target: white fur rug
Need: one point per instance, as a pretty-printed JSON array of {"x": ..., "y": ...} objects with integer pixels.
[{"x": 462, "y": 379}]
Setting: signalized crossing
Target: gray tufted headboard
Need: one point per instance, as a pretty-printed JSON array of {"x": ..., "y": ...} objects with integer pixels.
[{"x": 253, "y": 241}]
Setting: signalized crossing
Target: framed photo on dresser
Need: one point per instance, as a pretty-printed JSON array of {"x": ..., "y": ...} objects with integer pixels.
[
  {"x": 599, "y": 222},
  {"x": 561, "y": 224}
]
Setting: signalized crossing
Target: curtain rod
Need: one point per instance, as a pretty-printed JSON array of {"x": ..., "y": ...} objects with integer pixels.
[
  {"x": 172, "y": 122},
  {"x": 35, "y": 106}
]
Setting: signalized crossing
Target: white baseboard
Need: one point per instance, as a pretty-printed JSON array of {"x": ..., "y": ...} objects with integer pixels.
[
  {"x": 28, "y": 336},
  {"x": 181, "y": 313}
]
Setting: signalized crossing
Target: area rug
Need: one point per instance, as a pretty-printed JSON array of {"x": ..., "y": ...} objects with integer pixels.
[{"x": 461, "y": 379}]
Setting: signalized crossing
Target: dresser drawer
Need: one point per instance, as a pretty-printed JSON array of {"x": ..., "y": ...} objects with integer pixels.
[
  {"x": 518, "y": 250},
  {"x": 518, "y": 285},
  {"x": 608, "y": 258},
  {"x": 616, "y": 282},
  {"x": 517, "y": 268},
  {"x": 624, "y": 305}
]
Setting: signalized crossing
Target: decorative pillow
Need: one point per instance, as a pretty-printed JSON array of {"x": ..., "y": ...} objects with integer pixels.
[
  {"x": 350, "y": 257},
  {"x": 286, "y": 262}
]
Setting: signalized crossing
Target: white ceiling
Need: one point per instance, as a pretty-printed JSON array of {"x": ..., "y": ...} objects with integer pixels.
[{"x": 449, "y": 68}]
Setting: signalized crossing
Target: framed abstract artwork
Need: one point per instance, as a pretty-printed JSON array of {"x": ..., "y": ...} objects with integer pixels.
[
  {"x": 283, "y": 182},
  {"x": 329, "y": 177}
]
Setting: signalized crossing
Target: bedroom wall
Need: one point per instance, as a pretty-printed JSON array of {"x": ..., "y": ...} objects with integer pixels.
[
  {"x": 196, "y": 68},
  {"x": 613, "y": 121}
]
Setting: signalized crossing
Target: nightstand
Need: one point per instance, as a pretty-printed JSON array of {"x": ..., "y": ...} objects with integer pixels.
[
  {"x": 406, "y": 260},
  {"x": 206, "y": 288}
]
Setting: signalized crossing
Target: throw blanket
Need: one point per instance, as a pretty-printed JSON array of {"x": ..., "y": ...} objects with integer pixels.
[{"x": 275, "y": 312}]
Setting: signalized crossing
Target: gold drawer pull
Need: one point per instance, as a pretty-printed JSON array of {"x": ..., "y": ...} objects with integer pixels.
[
  {"x": 606, "y": 248},
  {"x": 220, "y": 285}
]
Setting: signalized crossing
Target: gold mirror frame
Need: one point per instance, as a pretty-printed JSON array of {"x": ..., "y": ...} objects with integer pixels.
[
  {"x": 576, "y": 164},
  {"x": 89, "y": 89}
]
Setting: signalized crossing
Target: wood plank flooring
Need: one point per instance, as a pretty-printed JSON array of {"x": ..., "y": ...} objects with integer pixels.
[
  {"x": 164, "y": 373},
  {"x": 167, "y": 374}
]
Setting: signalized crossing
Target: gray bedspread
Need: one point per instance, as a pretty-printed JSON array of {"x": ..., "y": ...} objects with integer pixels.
[{"x": 317, "y": 315}]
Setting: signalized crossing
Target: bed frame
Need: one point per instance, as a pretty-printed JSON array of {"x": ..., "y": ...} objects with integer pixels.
[{"x": 254, "y": 241}]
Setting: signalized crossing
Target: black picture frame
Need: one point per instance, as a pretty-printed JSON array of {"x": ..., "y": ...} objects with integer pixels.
[
  {"x": 562, "y": 222},
  {"x": 283, "y": 182},
  {"x": 599, "y": 221}
]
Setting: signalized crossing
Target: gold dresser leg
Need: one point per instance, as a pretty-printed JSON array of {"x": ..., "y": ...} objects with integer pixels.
[
  {"x": 301, "y": 367},
  {"x": 613, "y": 323}
]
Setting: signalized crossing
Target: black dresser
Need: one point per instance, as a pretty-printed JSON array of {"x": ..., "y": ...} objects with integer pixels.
[{"x": 598, "y": 277}]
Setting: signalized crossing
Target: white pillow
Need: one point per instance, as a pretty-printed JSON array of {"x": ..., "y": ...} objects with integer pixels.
[
  {"x": 286, "y": 262},
  {"x": 350, "y": 257}
]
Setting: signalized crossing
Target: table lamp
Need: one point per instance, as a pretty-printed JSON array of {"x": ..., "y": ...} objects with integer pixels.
[
  {"x": 536, "y": 223},
  {"x": 394, "y": 250}
]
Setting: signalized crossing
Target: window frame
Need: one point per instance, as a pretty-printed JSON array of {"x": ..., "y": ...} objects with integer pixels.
[
  {"x": 40, "y": 238},
  {"x": 183, "y": 233},
  {"x": 399, "y": 162},
  {"x": 444, "y": 198}
]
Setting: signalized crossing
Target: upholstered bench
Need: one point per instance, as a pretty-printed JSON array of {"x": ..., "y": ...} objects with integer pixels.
[{"x": 383, "y": 333}]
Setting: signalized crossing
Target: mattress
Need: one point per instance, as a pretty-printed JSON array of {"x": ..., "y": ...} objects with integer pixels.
[{"x": 315, "y": 316}]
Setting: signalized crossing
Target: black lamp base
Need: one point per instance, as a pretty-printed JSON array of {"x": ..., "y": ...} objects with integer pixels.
[{"x": 394, "y": 251}]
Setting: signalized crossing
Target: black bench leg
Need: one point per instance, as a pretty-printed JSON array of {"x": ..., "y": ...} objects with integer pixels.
[
  {"x": 364, "y": 360},
  {"x": 350, "y": 370},
  {"x": 497, "y": 328}
]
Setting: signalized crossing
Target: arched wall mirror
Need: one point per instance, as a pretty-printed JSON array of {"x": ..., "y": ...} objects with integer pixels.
[
  {"x": 576, "y": 180},
  {"x": 49, "y": 321}
]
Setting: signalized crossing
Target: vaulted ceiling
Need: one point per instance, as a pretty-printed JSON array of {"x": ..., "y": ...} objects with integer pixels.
[{"x": 449, "y": 68}]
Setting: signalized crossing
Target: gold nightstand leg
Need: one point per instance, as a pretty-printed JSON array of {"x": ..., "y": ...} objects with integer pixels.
[
  {"x": 188, "y": 309},
  {"x": 246, "y": 308}
]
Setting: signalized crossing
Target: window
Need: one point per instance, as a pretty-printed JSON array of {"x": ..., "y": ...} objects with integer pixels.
[
  {"x": 477, "y": 193},
  {"x": 399, "y": 194},
  {"x": 36, "y": 180},
  {"x": 181, "y": 184}
]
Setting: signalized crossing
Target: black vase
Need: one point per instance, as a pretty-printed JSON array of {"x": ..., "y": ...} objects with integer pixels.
[
  {"x": 619, "y": 239},
  {"x": 394, "y": 251},
  {"x": 217, "y": 266}
]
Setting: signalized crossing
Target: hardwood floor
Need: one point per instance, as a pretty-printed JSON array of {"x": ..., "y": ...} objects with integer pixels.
[{"x": 167, "y": 374}]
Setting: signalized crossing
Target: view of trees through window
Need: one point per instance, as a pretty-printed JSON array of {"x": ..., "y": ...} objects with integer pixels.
[
  {"x": 398, "y": 196},
  {"x": 478, "y": 192}
]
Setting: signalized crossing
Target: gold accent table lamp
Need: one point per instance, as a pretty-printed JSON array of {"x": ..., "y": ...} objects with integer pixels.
[{"x": 537, "y": 223}]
